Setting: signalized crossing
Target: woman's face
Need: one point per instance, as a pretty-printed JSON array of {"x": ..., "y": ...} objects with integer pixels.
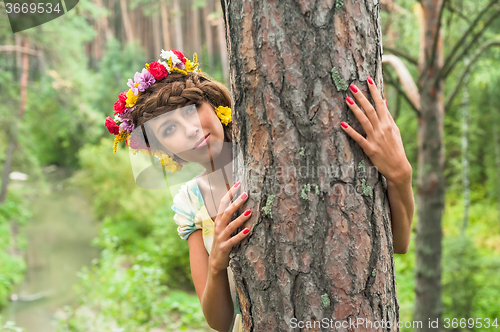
[{"x": 181, "y": 130}]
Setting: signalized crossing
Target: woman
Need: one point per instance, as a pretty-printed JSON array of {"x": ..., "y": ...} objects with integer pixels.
[{"x": 187, "y": 116}]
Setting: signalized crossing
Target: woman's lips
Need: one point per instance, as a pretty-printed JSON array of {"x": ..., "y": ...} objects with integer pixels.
[{"x": 203, "y": 143}]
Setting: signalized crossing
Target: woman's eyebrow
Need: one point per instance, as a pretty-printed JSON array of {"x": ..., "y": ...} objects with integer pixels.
[{"x": 163, "y": 124}]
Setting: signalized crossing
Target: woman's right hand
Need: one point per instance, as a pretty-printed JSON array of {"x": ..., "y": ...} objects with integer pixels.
[{"x": 223, "y": 242}]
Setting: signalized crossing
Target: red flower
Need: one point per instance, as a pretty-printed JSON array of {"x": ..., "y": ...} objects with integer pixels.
[
  {"x": 112, "y": 126},
  {"x": 158, "y": 70},
  {"x": 179, "y": 55},
  {"x": 120, "y": 103},
  {"x": 137, "y": 142}
]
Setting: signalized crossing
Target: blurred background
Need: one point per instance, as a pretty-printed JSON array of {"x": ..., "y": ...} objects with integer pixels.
[{"x": 76, "y": 250}]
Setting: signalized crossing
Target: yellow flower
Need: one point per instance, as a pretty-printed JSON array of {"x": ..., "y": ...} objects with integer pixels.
[
  {"x": 175, "y": 69},
  {"x": 170, "y": 164},
  {"x": 191, "y": 66},
  {"x": 224, "y": 114},
  {"x": 131, "y": 99},
  {"x": 120, "y": 137}
]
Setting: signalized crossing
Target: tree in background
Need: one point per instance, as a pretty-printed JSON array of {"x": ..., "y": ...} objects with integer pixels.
[
  {"x": 313, "y": 253},
  {"x": 426, "y": 95}
]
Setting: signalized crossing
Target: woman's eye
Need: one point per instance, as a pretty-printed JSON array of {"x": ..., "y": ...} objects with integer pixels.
[{"x": 168, "y": 131}]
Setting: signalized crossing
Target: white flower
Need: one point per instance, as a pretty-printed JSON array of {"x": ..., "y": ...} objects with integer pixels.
[
  {"x": 167, "y": 54},
  {"x": 117, "y": 118}
]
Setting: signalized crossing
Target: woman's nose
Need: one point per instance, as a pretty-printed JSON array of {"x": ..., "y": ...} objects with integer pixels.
[{"x": 192, "y": 130}]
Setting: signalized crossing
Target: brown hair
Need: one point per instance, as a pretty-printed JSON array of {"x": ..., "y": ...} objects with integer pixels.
[{"x": 179, "y": 90}]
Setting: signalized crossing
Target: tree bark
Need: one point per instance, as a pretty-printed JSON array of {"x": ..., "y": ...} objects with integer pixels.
[
  {"x": 12, "y": 131},
  {"x": 178, "y": 26},
  {"x": 208, "y": 33},
  {"x": 165, "y": 26},
  {"x": 430, "y": 180},
  {"x": 195, "y": 26},
  {"x": 465, "y": 149},
  {"x": 320, "y": 245},
  {"x": 222, "y": 43},
  {"x": 126, "y": 21}
]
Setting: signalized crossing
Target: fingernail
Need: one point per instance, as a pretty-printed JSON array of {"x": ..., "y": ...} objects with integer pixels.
[
  {"x": 385, "y": 100},
  {"x": 353, "y": 88},
  {"x": 247, "y": 212},
  {"x": 243, "y": 196},
  {"x": 349, "y": 100},
  {"x": 370, "y": 80},
  {"x": 343, "y": 124},
  {"x": 236, "y": 184},
  {"x": 246, "y": 231}
]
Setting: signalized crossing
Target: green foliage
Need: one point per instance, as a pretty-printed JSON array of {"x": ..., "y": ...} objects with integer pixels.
[
  {"x": 9, "y": 326},
  {"x": 12, "y": 267},
  {"x": 470, "y": 286},
  {"x": 142, "y": 256}
]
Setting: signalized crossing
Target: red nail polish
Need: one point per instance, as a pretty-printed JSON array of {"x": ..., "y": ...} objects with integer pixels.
[
  {"x": 236, "y": 184},
  {"x": 353, "y": 88},
  {"x": 244, "y": 195},
  {"x": 343, "y": 124},
  {"x": 370, "y": 80},
  {"x": 247, "y": 212},
  {"x": 385, "y": 100},
  {"x": 349, "y": 100},
  {"x": 246, "y": 231}
]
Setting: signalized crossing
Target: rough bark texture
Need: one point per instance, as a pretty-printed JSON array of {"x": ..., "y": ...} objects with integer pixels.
[
  {"x": 430, "y": 180},
  {"x": 320, "y": 244}
]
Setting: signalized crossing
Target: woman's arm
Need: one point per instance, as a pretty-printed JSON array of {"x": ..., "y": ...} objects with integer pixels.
[
  {"x": 384, "y": 146},
  {"x": 212, "y": 286},
  {"x": 402, "y": 206},
  {"x": 210, "y": 272}
]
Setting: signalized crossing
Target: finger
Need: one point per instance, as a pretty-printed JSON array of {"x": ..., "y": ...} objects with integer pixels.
[
  {"x": 365, "y": 123},
  {"x": 238, "y": 237},
  {"x": 366, "y": 105},
  {"x": 357, "y": 137},
  {"x": 232, "y": 208},
  {"x": 228, "y": 197},
  {"x": 380, "y": 106},
  {"x": 237, "y": 222}
]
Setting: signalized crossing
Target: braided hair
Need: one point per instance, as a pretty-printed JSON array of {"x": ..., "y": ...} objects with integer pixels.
[{"x": 178, "y": 90}]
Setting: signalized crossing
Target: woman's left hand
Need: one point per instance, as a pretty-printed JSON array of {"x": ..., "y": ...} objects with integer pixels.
[{"x": 383, "y": 144}]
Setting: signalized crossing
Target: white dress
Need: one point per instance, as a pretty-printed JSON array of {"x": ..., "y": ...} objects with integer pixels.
[{"x": 190, "y": 215}]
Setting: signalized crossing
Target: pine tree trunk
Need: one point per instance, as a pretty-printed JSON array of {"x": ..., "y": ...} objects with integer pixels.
[
  {"x": 156, "y": 34},
  {"x": 178, "y": 26},
  {"x": 195, "y": 25},
  {"x": 495, "y": 120},
  {"x": 165, "y": 27},
  {"x": 465, "y": 149},
  {"x": 320, "y": 245},
  {"x": 126, "y": 21},
  {"x": 12, "y": 131},
  {"x": 430, "y": 179},
  {"x": 222, "y": 43},
  {"x": 208, "y": 33}
]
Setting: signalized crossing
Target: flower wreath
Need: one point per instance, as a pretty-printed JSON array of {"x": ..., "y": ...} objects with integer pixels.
[{"x": 122, "y": 125}]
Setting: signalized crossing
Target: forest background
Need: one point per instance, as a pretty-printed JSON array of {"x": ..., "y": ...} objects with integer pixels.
[{"x": 59, "y": 81}]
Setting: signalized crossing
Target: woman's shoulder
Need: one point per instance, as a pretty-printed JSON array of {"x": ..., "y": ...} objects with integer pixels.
[
  {"x": 189, "y": 193},
  {"x": 186, "y": 206}
]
